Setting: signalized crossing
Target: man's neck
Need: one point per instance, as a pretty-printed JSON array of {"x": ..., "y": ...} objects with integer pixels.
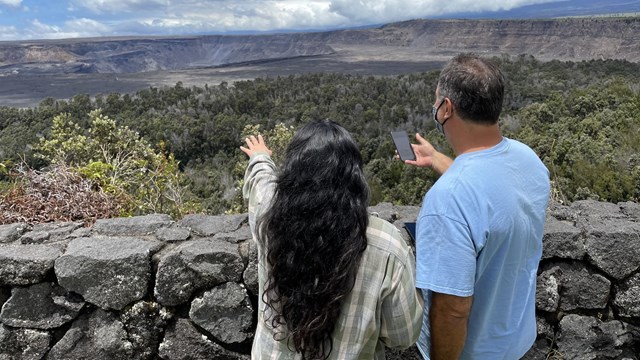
[{"x": 472, "y": 137}]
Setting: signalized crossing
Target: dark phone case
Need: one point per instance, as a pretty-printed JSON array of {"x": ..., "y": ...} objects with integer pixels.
[{"x": 401, "y": 140}]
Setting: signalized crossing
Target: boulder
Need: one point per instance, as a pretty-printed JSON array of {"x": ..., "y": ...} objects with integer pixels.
[
  {"x": 407, "y": 213},
  {"x": 225, "y": 312},
  {"x": 250, "y": 274},
  {"x": 544, "y": 329},
  {"x": 172, "y": 234},
  {"x": 581, "y": 288},
  {"x": 630, "y": 209},
  {"x": 97, "y": 335},
  {"x": 11, "y": 232},
  {"x": 81, "y": 232},
  {"x": 195, "y": 265},
  {"x": 206, "y": 225},
  {"x": 50, "y": 232},
  {"x": 592, "y": 213},
  {"x": 612, "y": 236},
  {"x": 144, "y": 323},
  {"x": 561, "y": 212},
  {"x": 5, "y": 293},
  {"x": 132, "y": 226},
  {"x": 562, "y": 239},
  {"x": 614, "y": 247},
  {"x": 107, "y": 271},
  {"x": 548, "y": 290},
  {"x": 23, "y": 344},
  {"x": 385, "y": 211},
  {"x": 182, "y": 341},
  {"x": 26, "y": 264},
  {"x": 627, "y": 298},
  {"x": 237, "y": 236},
  {"x": 40, "y": 306},
  {"x": 34, "y": 237},
  {"x": 587, "y": 338},
  {"x": 539, "y": 351}
]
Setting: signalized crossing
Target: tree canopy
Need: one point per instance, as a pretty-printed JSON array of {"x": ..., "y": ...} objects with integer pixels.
[{"x": 582, "y": 119}]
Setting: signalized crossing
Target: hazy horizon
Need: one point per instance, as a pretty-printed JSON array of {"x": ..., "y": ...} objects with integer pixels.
[{"x": 23, "y": 20}]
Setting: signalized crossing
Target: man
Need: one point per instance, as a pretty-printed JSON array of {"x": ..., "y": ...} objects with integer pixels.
[{"x": 479, "y": 232}]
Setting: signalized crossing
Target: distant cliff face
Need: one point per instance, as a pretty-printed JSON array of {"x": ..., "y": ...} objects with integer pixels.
[
  {"x": 142, "y": 55},
  {"x": 417, "y": 40},
  {"x": 562, "y": 39}
]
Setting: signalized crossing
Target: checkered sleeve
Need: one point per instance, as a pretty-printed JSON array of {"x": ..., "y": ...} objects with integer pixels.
[
  {"x": 259, "y": 186},
  {"x": 402, "y": 308}
]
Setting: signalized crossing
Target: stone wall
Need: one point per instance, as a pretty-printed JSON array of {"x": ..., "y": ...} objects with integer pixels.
[{"x": 149, "y": 287}]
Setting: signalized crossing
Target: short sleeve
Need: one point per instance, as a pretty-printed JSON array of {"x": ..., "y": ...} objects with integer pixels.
[{"x": 445, "y": 256}]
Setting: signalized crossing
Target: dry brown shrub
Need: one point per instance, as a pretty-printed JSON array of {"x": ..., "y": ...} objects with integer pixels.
[{"x": 58, "y": 194}]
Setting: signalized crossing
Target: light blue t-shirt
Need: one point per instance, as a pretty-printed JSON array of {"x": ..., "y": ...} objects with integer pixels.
[{"x": 479, "y": 233}]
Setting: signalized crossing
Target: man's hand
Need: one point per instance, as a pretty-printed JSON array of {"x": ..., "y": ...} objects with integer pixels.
[
  {"x": 427, "y": 155},
  {"x": 255, "y": 145}
]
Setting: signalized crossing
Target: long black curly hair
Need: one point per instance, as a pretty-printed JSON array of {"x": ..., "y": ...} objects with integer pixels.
[{"x": 315, "y": 233}]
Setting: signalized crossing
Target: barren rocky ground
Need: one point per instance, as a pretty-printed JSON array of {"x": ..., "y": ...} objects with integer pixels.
[{"x": 27, "y": 90}]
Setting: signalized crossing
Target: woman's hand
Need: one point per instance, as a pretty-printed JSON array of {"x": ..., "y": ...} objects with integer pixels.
[{"x": 255, "y": 145}]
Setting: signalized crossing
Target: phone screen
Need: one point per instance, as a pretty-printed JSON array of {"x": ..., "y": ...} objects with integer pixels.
[{"x": 401, "y": 140}]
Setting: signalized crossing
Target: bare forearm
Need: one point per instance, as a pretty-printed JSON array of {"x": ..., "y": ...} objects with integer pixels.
[
  {"x": 441, "y": 162},
  {"x": 448, "y": 334},
  {"x": 448, "y": 318}
]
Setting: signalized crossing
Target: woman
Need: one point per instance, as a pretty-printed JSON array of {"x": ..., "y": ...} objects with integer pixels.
[{"x": 335, "y": 283}]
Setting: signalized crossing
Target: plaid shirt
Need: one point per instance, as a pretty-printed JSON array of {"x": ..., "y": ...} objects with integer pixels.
[{"x": 383, "y": 309}]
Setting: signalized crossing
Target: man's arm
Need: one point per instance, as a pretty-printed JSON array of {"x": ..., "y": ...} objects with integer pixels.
[{"x": 448, "y": 316}]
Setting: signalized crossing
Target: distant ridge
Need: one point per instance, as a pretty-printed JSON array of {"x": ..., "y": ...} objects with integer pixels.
[
  {"x": 572, "y": 39},
  {"x": 558, "y": 9}
]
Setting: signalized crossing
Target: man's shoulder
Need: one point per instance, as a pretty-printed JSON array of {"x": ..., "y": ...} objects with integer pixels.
[{"x": 521, "y": 148}]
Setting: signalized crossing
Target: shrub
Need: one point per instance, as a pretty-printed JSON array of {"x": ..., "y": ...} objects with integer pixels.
[
  {"x": 59, "y": 194},
  {"x": 120, "y": 162}
]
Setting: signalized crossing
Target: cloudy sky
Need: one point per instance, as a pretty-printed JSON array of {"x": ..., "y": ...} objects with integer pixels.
[{"x": 48, "y": 19}]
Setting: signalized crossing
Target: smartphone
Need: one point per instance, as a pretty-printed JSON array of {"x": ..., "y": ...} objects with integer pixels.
[{"x": 401, "y": 140}]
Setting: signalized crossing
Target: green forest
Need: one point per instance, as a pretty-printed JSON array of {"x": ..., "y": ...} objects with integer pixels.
[{"x": 175, "y": 149}]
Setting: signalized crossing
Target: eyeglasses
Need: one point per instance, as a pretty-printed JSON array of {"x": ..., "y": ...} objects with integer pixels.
[{"x": 434, "y": 112}]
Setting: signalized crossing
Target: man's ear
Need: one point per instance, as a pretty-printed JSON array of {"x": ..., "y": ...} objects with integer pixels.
[{"x": 448, "y": 108}]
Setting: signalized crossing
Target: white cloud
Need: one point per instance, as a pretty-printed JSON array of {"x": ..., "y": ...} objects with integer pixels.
[
  {"x": 71, "y": 29},
  {"x": 118, "y": 6},
  {"x": 173, "y": 17},
  {"x": 221, "y": 16},
  {"x": 258, "y": 15},
  {"x": 9, "y": 33},
  {"x": 88, "y": 26},
  {"x": 374, "y": 11},
  {"x": 261, "y": 15},
  {"x": 14, "y": 3}
]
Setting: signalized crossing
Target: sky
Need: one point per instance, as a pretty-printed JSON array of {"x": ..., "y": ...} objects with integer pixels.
[{"x": 53, "y": 19}]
